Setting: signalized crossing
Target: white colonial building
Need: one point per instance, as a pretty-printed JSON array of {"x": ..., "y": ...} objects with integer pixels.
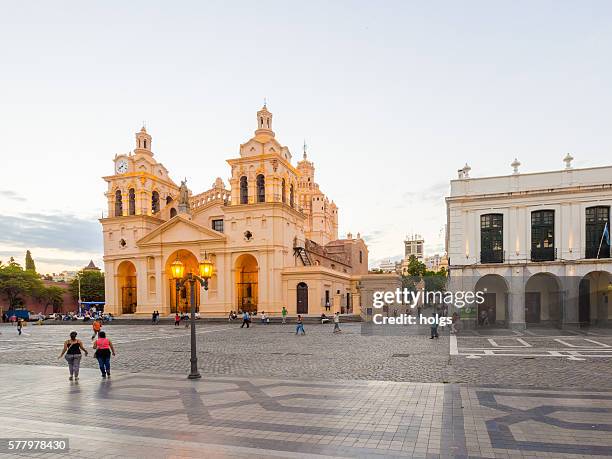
[{"x": 535, "y": 243}]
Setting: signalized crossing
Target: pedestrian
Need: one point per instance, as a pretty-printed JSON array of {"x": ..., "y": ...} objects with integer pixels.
[
  {"x": 300, "y": 325},
  {"x": 434, "y": 326},
  {"x": 96, "y": 326},
  {"x": 246, "y": 319},
  {"x": 19, "y": 325},
  {"x": 177, "y": 320},
  {"x": 186, "y": 319},
  {"x": 72, "y": 349},
  {"x": 284, "y": 314},
  {"x": 104, "y": 348},
  {"x": 153, "y": 318},
  {"x": 455, "y": 323},
  {"x": 263, "y": 317},
  {"x": 337, "y": 322}
]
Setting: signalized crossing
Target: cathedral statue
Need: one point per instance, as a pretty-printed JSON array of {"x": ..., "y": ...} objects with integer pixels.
[{"x": 183, "y": 204}]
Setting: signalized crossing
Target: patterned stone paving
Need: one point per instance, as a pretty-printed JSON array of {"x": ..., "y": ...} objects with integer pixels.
[
  {"x": 148, "y": 415},
  {"x": 268, "y": 393}
]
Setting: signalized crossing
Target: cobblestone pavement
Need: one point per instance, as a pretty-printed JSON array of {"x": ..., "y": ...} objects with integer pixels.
[
  {"x": 135, "y": 415},
  {"x": 275, "y": 351},
  {"x": 262, "y": 350}
]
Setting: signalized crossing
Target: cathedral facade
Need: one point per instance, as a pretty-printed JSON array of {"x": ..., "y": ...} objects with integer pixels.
[{"x": 272, "y": 235}]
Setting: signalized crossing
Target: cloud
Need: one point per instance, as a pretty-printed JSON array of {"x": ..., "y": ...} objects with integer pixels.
[
  {"x": 434, "y": 193},
  {"x": 9, "y": 194},
  {"x": 61, "y": 231},
  {"x": 374, "y": 236}
]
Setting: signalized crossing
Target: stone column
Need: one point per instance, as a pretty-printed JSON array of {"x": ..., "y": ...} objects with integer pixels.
[
  {"x": 516, "y": 301},
  {"x": 569, "y": 302}
]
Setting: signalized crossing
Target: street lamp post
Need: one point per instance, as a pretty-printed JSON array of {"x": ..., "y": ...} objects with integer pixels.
[
  {"x": 80, "y": 302},
  {"x": 206, "y": 272}
]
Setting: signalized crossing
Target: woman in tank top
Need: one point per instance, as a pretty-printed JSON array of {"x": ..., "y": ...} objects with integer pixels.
[{"x": 72, "y": 349}]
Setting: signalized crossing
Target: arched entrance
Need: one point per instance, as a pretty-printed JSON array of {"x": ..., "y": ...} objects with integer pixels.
[
  {"x": 302, "y": 298},
  {"x": 594, "y": 294},
  {"x": 179, "y": 300},
  {"x": 543, "y": 300},
  {"x": 247, "y": 276},
  {"x": 494, "y": 307},
  {"x": 126, "y": 287}
]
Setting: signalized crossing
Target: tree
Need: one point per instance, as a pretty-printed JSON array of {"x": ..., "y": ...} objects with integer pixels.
[
  {"x": 16, "y": 283},
  {"x": 55, "y": 298},
  {"x": 416, "y": 268},
  {"x": 92, "y": 286},
  {"x": 49, "y": 296},
  {"x": 29, "y": 262}
]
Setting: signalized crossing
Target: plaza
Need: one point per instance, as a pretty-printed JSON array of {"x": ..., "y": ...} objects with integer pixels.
[{"x": 268, "y": 393}]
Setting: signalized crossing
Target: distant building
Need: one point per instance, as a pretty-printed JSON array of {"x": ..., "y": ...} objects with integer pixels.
[
  {"x": 64, "y": 276},
  {"x": 388, "y": 266},
  {"x": 436, "y": 262},
  {"x": 91, "y": 267},
  {"x": 413, "y": 245}
]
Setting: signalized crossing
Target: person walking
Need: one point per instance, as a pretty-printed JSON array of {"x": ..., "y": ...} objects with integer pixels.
[
  {"x": 104, "y": 348},
  {"x": 337, "y": 322},
  {"x": 177, "y": 320},
  {"x": 19, "y": 325},
  {"x": 455, "y": 323},
  {"x": 300, "y": 325},
  {"x": 153, "y": 318},
  {"x": 72, "y": 349},
  {"x": 284, "y": 314},
  {"x": 96, "y": 326},
  {"x": 434, "y": 326},
  {"x": 246, "y": 319}
]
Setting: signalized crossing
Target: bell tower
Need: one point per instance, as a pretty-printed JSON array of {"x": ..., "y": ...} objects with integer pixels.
[
  {"x": 264, "y": 122},
  {"x": 143, "y": 142}
]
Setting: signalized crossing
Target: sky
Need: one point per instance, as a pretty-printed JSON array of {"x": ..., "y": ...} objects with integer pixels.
[{"x": 391, "y": 97}]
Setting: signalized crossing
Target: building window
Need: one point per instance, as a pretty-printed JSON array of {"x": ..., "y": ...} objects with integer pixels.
[
  {"x": 244, "y": 190},
  {"x": 155, "y": 202},
  {"x": 597, "y": 219},
  {"x": 492, "y": 238},
  {"x": 543, "y": 235},
  {"x": 283, "y": 191},
  {"x": 172, "y": 212},
  {"x": 291, "y": 200},
  {"x": 360, "y": 257},
  {"x": 132, "y": 202},
  {"x": 217, "y": 225},
  {"x": 261, "y": 188},
  {"x": 168, "y": 200},
  {"x": 118, "y": 204}
]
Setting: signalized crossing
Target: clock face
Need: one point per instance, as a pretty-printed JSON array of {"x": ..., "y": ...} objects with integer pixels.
[{"x": 121, "y": 166}]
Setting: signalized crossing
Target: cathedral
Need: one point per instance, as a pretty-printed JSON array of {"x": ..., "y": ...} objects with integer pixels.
[{"x": 271, "y": 234}]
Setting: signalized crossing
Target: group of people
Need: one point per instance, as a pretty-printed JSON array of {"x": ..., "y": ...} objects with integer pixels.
[
  {"x": 102, "y": 346},
  {"x": 178, "y": 317},
  {"x": 299, "y": 327},
  {"x": 155, "y": 317}
]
